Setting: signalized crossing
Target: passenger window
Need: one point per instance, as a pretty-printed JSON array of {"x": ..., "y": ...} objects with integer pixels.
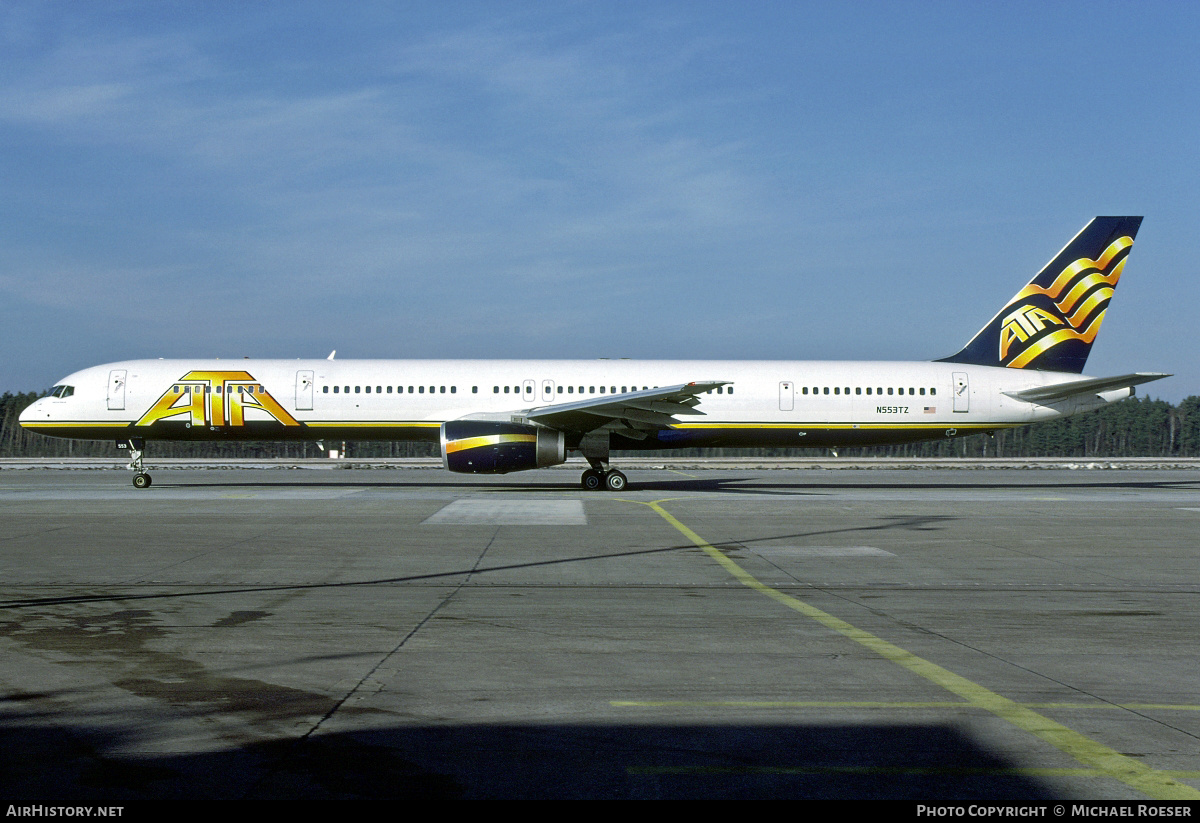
[
  {"x": 889, "y": 391},
  {"x": 858, "y": 389},
  {"x": 922, "y": 391},
  {"x": 933, "y": 391},
  {"x": 454, "y": 389},
  {"x": 420, "y": 389},
  {"x": 826, "y": 390},
  {"x": 804, "y": 390},
  {"x": 324, "y": 390}
]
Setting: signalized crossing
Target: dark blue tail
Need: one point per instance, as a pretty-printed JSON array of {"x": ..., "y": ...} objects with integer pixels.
[{"x": 1052, "y": 322}]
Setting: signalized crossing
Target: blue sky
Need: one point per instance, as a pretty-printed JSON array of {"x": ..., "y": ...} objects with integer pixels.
[{"x": 652, "y": 180}]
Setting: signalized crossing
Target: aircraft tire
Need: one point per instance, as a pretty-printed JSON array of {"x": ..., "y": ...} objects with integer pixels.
[
  {"x": 141, "y": 480},
  {"x": 592, "y": 480},
  {"x": 614, "y": 481}
]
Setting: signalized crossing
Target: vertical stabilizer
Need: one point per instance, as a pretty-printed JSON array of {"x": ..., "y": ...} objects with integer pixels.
[{"x": 1052, "y": 322}]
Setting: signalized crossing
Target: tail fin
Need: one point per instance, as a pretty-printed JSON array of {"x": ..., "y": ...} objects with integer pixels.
[{"x": 1051, "y": 323}]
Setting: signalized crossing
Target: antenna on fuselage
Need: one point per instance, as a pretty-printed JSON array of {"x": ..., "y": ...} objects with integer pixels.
[{"x": 331, "y": 354}]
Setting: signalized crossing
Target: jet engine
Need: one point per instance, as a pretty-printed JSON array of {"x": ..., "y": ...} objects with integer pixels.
[{"x": 492, "y": 447}]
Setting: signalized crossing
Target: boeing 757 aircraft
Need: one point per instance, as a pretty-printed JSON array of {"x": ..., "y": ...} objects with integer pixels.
[{"x": 498, "y": 416}]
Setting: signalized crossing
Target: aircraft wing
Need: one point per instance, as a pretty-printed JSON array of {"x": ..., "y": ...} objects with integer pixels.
[
  {"x": 632, "y": 414},
  {"x": 1075, "y": 388}
]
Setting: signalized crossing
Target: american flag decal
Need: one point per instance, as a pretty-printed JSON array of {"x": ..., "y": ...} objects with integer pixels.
[{"x": 931, "y": 409}]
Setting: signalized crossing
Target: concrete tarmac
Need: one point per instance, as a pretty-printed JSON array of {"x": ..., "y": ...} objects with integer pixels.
[{"x": 942, "y": 636}]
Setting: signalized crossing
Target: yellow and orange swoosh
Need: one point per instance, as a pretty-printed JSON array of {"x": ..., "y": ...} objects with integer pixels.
[{"x": 488, "y": 440}]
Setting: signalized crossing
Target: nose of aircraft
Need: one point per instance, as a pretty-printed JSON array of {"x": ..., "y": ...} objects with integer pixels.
[{"x": 37, "y": 410}]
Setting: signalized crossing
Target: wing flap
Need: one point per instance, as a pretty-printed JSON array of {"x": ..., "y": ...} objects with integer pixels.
[{"x": 649, "y": 409}]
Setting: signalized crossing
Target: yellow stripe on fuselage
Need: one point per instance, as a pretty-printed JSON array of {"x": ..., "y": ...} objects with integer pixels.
[{"x": 841, "y": 426}]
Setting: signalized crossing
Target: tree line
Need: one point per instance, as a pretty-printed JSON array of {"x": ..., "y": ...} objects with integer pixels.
[{"x": 1136, "y": 427}]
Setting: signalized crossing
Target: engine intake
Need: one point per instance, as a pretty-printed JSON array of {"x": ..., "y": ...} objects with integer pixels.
[{"x": 490, "y": 447}]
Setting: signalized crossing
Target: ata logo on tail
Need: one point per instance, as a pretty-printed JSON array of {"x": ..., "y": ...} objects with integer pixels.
[
  {"x": 1051, "y": 323},
  {"x": 1076, "y": 299},
  {"x": 216, "y": 399}
]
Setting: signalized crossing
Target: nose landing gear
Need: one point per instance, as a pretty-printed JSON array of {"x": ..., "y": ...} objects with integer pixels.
[{"x": 137, "y": 448}]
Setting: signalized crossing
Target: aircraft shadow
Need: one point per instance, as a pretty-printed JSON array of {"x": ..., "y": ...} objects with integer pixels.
[{"x": 781, "y": 759}]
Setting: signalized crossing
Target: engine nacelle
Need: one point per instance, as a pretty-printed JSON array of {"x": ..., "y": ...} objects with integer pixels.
[{"x": 492, "y": 447}]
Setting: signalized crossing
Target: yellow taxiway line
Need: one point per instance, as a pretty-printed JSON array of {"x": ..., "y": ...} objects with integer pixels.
[{"x": 1099, "y": 760}]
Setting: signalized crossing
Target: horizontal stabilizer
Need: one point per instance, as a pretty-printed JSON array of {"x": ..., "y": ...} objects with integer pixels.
[{"x": 1075, "y": 388}]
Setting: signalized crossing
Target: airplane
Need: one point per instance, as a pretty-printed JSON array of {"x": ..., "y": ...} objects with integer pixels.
[{"x": 498, "y": 416}]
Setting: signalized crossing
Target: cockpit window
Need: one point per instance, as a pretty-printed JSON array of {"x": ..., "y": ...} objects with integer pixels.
[{"x": 62, "y": 391}]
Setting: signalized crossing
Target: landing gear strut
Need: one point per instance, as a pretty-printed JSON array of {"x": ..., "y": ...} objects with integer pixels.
[
  {"x": 137, "y": 448},
  {"x": 594, "y": 448}
]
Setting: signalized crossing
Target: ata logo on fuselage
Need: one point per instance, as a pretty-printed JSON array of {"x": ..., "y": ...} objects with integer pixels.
[{"x": 216, "y": 399}]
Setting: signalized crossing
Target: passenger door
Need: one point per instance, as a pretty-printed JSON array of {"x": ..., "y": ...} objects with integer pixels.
[
  {"x": 787, "y": 395},
  {"x": 304, "y": 391},
  {"x": 962, "y": 392},
  {"x": 116, "y": 390}
]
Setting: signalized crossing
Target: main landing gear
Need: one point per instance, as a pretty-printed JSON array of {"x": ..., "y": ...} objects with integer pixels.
[
  {"x": 594, "y": 447},
  {"x": 597, "y": 479},
  {"x": 137, "y": 448}
]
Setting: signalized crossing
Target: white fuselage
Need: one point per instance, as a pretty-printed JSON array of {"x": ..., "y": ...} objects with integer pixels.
[{"x": 781, "y": 403}]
